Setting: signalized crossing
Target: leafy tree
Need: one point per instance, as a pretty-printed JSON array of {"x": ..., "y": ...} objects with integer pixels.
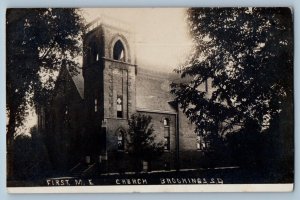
[
  {"x": 39, "y": 42},
  {"x": 246, "y": 54},
  {"x": 142, "y": 143},
  {"x": 246, "y": 145},
  {"x": 31, "y": 157}
]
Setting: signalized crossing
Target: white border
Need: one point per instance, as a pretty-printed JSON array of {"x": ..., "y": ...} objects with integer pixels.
[
  {"x": 157, "y": 188},
  {"x": 146, "y": 3}
]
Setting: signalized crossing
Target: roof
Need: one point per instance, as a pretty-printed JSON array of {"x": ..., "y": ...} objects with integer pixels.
[
  {"x": 79, "y": 82},
  {"x": 153, "y": 91}
]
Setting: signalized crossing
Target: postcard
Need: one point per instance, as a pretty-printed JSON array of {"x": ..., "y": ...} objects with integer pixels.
[{"x": 150, "y": 99}]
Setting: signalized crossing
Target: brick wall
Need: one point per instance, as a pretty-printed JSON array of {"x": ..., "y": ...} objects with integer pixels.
[{"x": 119, "y": 79}]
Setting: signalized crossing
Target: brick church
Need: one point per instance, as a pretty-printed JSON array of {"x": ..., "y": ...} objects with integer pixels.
[{"x": 86, "y": 122}]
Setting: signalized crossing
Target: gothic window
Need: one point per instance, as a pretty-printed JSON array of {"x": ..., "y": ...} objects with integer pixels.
[
  {"x": 121, "y": 140},
  {"x": 96, "y": 105},
  {"x": 166, "y": 122},
  {"x": 119, "y": 106},
  {"x": 118, "y": 51},
  {"x": 66, "y": 116}
]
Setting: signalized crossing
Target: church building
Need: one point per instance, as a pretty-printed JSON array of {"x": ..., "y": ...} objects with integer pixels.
[{"x": 85, "y": 124}]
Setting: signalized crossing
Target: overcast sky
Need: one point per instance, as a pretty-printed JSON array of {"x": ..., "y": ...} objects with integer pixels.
[{"x": 161, "y": 34}]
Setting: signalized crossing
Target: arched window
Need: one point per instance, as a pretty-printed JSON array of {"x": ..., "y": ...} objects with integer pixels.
[
  {"x": 66, "y": 116},
  {"x": 96, "y": 105},
  {"x": 166, "y": 122},
  {"x": 118, "y": 51},
  {"x": 167, "y": 142},
  {"x": 119, "y": 106},
  {"x": 121, "y": 140}
]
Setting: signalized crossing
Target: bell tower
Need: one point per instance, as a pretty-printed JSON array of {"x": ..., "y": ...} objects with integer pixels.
[{"x": 109, "y": 72}]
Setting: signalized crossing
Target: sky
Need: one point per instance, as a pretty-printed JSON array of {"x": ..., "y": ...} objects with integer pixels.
[{"x": 162, "y": 41}]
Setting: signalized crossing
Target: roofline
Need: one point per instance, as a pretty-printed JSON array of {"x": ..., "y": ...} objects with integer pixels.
[{"x": 70, "y": 76}]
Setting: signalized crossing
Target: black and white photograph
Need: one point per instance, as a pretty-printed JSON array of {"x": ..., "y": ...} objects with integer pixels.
[{"x": 196, "y": 99}]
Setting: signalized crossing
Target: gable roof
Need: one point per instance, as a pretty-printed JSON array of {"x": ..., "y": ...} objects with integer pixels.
[
  {"x": 79, "y": 82},
  {"x": 153, "y": 91},
  {"x": 77, "y": 79}
]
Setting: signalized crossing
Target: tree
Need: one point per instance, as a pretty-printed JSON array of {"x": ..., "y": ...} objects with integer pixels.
[
  {"x": 39, "y": 42},
  {"x": 247, "y": 55},
  {"x": 142, "y": 143},
  {"x": 31, "y": 157}
]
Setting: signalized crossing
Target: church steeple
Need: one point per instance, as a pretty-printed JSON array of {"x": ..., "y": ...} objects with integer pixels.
[{"x": 109, "y": 72}]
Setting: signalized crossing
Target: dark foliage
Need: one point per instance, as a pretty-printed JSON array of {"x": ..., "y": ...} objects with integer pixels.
[
  {"x": 38, "y": 43},
  {"x": 246, "y": 145},
  {"x": 142, "y": 144},
  {"x": 247, "y": 55},
  {"x": 38, "y": 40},
  {"x": 31, "y": 157}
]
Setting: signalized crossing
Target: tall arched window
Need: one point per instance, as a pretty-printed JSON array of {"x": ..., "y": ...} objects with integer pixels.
[
  {"x": 121, "y": 140},
  {"x": 119, "y": 106},
  {"x": 118, "y": 51},
  {"x": 166, "y": 122},
  {"x": 96, "y": 104},
  {"x": 66, "y": 116},
  {"x": 167, "y": 142}
]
